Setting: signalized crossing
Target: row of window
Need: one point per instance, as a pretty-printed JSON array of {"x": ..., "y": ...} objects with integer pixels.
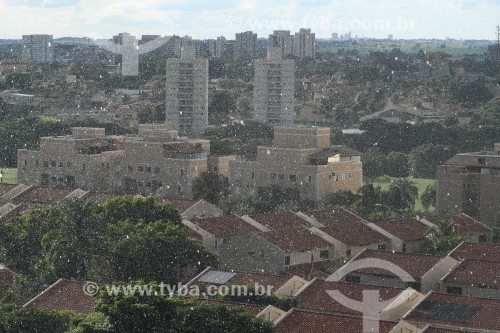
[
  {"x": 323, "y": 255},
  {"x": 340, "y": 177},
  {"x": 150, "y": 169},
  {"x": 280, "y": 176}
]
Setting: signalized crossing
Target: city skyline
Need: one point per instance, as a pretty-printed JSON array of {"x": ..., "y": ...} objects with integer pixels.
[{"x": 208, "y": 19}]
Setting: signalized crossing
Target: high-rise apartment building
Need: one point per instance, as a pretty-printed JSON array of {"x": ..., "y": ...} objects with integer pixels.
[
  {"x": 284, "y": 40},
  {"x": 38, "y": 48},
  {"x": 246, "y": 45},
  {"x": 304, "y": 44},
  {"x": 274, "y": 88},
  {"x": 187, "y": 93}
]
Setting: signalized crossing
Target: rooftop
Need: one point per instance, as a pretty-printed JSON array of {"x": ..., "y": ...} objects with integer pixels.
[
  {"x": 406, "y": 229},
  {"x": 417, "y": 265},
  {"x": 5, "y": 188},
  {"x": 458, "y": 311},
  {"x": 64, "y": 295},
  {"x": 465, "y": 223},
  {"x": 478, "y": 251},
  {"x": 347, "y": 227},
  {"x": 42, "y": 195},
  {"x": 295, "y": 240},
  {"x": 225, "y": 226},
  {"x": 311, "y": 322},
  {"x": 476, "y": 272},
  {"x": 217, "y": 277},
  {"x": 315, "y": 296},
  {"x": 282, "y": 220}
]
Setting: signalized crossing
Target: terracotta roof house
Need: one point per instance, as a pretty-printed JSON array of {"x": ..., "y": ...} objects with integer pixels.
[
  {"x": 474, "y": 230},
  {"x": 348, "y": 232},
  {"x": 277, "y": 221},
  {"x": 451, "y": 311},
  {"x": 273, "y": 251},
  {"x": 478, "y": 251},
  {"x": 425, "y": 270},
  {"x": 217, "y": 230},
  {"x": 64, "y": 295},
  {"x": 406, "y": 235},
  {"x": 474, "y": 278},
  {"x": 299, "y": 321},
  {"x": 6, "y": 279}
]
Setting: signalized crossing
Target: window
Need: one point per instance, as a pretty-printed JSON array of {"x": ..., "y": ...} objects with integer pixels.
[
  {"x": 130, "y": 168},
  {"x": 69, "y": 164},
  {"x": 481, "y": 160},
  {"x": 252, "y": 175},
  {"x": 348, "y": 253},
  {"x": 182, "y": 172},
  {"x": 404, "y": 248},
  {"x": 353, "y": 279},
  {"x": 84, "y": 166},
  {"x": 272, "y": 175},
  {"x": 53, "y": 164},
  {"x": 382, "y": 247},
  {"x": 45, "y": 164},
  {"x": 293, "y": 178},
  {"x": 157, "y": 171},
  {"x": 324, "y": 254},
  {"x": 482, "y": 239},
  {"x": 140, "y": 168},
  {"x": 37, "y": 163},
  {"x": 454, "y": 290},
  {"x": 179, "y": 189},
  {"x": 25, "y": 162},
  {"x": 60, "y": 165},
  {"x": 287, "y": 260},
  {"x": 148, "y": 169},
  {"x": 281, "y": 176},
  {"x": 309, "y": 179}
]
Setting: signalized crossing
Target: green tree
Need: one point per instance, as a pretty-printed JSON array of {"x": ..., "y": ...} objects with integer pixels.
[
  {"x": 397, "y": 165},
  {"x": 402, "y": 194},
  {"x": 155, "y": 251},
  {"x": 211, "y": 187},
  {"x": 428, "y": 197},
  {"x": 444, "y": 239},
  {"x": 425, "y": 159},
  {"x": 20, "y": 320},
  {"x": 221, "y": 104}
]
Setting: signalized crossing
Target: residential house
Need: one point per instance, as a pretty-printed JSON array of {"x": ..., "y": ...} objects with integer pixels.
[
  {"x": 472, "y": 229},
  {"x": 476, "y": 251},
  {"x": 425, "y": 270},
  {"x": 64, "y": 295}
]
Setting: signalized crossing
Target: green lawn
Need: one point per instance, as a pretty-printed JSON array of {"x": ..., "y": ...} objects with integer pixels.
[
  {"x": 385, "y": 182},
  {"x": 9, "y": 175}
]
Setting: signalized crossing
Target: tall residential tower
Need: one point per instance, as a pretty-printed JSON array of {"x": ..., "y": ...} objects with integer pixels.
[
  {"x": 187, "y": 93},
  {"x": 38, "y": 48}
]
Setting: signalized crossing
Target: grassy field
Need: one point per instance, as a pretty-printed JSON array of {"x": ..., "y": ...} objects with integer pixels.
[
  {"x": 385, "y": 182},
  {"x": 9, "y": 175}
]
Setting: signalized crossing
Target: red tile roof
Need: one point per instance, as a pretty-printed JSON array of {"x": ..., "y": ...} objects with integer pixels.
[
  {"x": 295, "y": 240},
  {"x": 281, "y": 220},
  {"x": 312, "y": 322},
  {"x": 465, "y": 223},
  {"x": 315, "y": 296},
  {"x": 478, "y": 251},
  {"x": 347, "y": 228},
  {"x": 414, "y": 264},
  {"x": 406, "y": 229},
  {"x": 64, "y": 295},
  {"x": 304, "y": 270},
  {"x": 42, "y": 195},
  {"x": 225, "y": 226},
  {"x": 476, "y": 272},
  {"x": 442, "y": 330},
  {"x": 485, "y": 317},
  {"x": 99, "y": 197},
  {"x": 6, "y": 278},
  {"x": 5, "y": 188}
]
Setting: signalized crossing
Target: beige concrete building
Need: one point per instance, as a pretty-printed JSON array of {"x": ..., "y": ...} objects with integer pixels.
[
  {"x": 470, "y": 183},
  {"x": 87, "y": 159},
  {"x": 156, "y": 161},
  {"x": 304, "y": 44},
  {"x": 301, "y": 159}
]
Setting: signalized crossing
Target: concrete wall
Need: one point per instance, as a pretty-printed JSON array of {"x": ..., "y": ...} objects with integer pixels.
[
  {"x": 472, "y": 291},
  {"x": 430, "y": 280},
  {"x": 251, "y": 253}
]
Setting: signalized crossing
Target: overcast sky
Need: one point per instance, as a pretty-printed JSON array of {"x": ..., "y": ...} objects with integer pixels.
[{"x": 460, "y": 19}]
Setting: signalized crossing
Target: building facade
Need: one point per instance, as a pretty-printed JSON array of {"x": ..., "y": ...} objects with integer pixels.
[
  {"x": 304, "y": 44},
  {"x": 187, "y": 94},
  {"x": 282, "y": 39},
  {"x": 38, "y": 48},
  {"x": 300, "y": 159},
  {"x": 274, "y": 89},
  {"x": 246, "y": 45},
  {"x": 470, "y": 183}
]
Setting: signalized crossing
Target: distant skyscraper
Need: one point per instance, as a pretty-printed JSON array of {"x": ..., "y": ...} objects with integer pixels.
[
  {"x": 224, "y": 48},
  {"x": 38, "y": 48},
  {"x": 494, "y": 50},
  {"x": 274, "y": 88},
  {"x": 335, "y": 36},
  {"x": 304, "y": 44},
  {"x": 246, "y": 45},
  {"x": 187, "y": 93},
  {"x": 284, "y": 40}
]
